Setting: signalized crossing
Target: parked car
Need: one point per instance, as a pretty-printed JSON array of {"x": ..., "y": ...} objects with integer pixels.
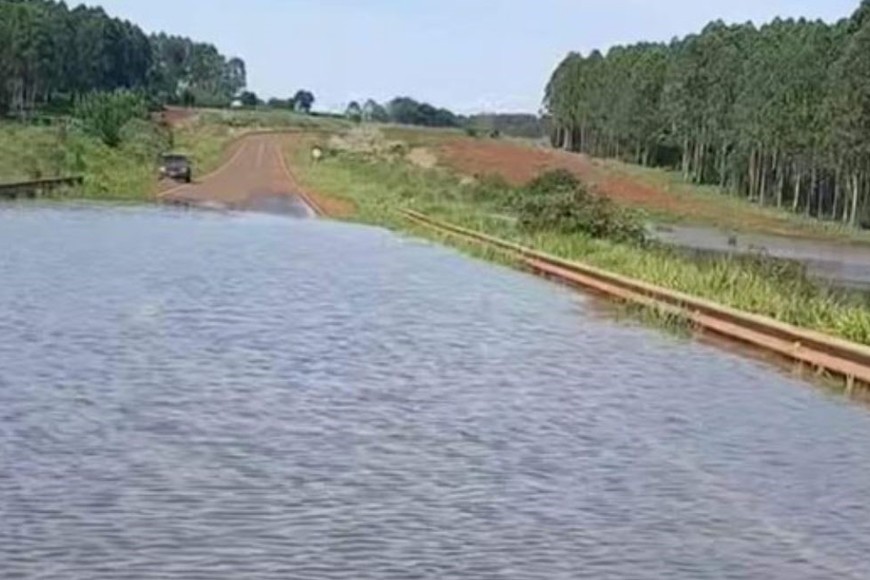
[{"x": 175, "y": 166}]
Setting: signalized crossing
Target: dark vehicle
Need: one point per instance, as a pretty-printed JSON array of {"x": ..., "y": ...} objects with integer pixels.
[{"x": 175, "y": 166}]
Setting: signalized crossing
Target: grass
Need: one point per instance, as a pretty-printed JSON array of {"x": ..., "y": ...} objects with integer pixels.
[
  {"x": 125, "y": 173},
  {"x": 30, "y": 152},
  {"x": 129, "y": 171},
  {"x": 271, "y": 119},
  {"x": 377, "y": 188}
]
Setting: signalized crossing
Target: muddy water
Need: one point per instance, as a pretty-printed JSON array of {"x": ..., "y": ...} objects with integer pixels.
[
  {"x": 838, "y": 264},
  {"x": 202, "y": 395}
]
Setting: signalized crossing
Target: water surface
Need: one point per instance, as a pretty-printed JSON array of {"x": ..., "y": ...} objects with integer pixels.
[
  {"x": 838, "y": 264},
  {"x": 206, "y": 396}
]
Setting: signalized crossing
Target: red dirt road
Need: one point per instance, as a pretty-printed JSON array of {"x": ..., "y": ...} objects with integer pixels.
[
  {"x": 255, "y": 175},
  {"x": 255, "y": 170}
]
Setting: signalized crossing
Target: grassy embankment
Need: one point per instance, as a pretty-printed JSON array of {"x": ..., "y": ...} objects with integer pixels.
[
  {"x": 123, "y": 173},
  {"x": 665, "y": 196},
  {"x": 378, "y": 183},
  {"x": 128, "y": 172}
]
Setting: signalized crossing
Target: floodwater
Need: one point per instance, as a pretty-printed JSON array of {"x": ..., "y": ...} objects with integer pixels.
[
  {"x": 199, "y": 395},
  {"x": 837, "y": 264}
]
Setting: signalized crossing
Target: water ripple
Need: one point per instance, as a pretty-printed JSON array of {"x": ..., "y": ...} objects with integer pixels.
[{"x": 191, "y": 396}]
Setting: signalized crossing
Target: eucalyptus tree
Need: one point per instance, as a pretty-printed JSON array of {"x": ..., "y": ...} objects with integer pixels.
[{"x": 779, "y": 114}]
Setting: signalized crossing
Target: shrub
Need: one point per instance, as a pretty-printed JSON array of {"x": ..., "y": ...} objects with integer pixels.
[
  {"x": 557, "y": 180},
  {"x": 558, "y": 202},
  {"x": 490, "y": 188},
  {"x": 104, "y": 115}
]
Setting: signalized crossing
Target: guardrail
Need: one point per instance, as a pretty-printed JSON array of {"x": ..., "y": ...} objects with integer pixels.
[
  {"x": 34, "y": 187},
  {"x": 823, "y": 352}
]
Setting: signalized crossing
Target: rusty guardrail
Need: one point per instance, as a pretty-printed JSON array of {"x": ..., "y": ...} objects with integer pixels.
[
  {"x": 32, "y": 187},
  {"x": 823, "y": 352}
]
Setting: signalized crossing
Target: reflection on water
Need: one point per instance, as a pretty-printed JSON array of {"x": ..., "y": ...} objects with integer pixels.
[{"x": 205, "y": 395}]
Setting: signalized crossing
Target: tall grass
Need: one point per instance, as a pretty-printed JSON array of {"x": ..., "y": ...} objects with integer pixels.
[
  {"x": 31, "y": 152},
  {"x": 125, "y": 172}
]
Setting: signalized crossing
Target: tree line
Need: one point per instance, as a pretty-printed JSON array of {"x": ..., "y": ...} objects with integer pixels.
[
  {"x": 779, "y": 114},
  {"x": 50, "y": 53},
  {"x": 301, "y": 102},
  {"x": 404, "y": 111},
  {"x": 408, "y": 111}
]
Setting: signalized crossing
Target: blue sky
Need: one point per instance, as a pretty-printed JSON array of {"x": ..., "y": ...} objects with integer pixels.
[{"x": 468, "y": 55}]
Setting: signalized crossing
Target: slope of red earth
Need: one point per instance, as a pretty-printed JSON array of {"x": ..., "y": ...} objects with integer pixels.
[{"x": 518, "y": 163}]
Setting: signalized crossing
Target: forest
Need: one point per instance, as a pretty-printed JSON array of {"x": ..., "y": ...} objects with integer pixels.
[
  {"x": 778, "y": 114},
  {"x": 51, "y": 54}
]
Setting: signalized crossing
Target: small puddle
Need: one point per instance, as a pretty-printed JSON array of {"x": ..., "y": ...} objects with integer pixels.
[
  {"x": 839, "y": 265},
  {"x": 280, "y": 204}
]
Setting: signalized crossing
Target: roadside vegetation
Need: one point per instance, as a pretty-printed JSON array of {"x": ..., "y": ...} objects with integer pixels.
[
  {"x": 557, "y": 215},
  {"x": 109, "y": 141},
  {"x": 76, "y": 89}
]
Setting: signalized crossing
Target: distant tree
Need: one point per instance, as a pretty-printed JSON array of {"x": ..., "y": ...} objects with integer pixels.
[
  {"x": 188, "y": 99},
  {"x": 354, "y": 112},
  {"x": 275, "y": 103},
  {"x": 407, "y": 111},
  {"x": 303, "y": 101},
  {"x": 374, "y": 112},
  {"x": 51, "y": 53},
  {"x": 249, "y": 99},
  {"x": 235, "y": 76},
  {"x": 513, "y": 124}
]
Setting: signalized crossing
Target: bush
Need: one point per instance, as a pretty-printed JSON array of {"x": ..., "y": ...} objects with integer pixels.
[
  {"x": 104, "y": 115},
  {"x": 489, "y": 188},
  {"x": 557, "y": 180},
  {"x": 558, "y": 202}
]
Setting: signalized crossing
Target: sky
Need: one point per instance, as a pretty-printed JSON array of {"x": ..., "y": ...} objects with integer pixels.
[{"x": 466, "y": 55}]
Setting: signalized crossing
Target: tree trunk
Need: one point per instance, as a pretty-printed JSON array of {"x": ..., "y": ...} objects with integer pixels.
[
  {"x": 762, "y": 175},
  {"x": 780, "y": 179},
  {"x": 752, "y": 173},
  {"x": 797, "y": 191},
  {"x": 686, "y": 155},
  {"x": 854, "y": 215},
  {"x": 723, "y": 160}
]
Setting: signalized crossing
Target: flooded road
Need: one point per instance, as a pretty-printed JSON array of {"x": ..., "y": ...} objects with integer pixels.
[{"x": 224, "y": 396}]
